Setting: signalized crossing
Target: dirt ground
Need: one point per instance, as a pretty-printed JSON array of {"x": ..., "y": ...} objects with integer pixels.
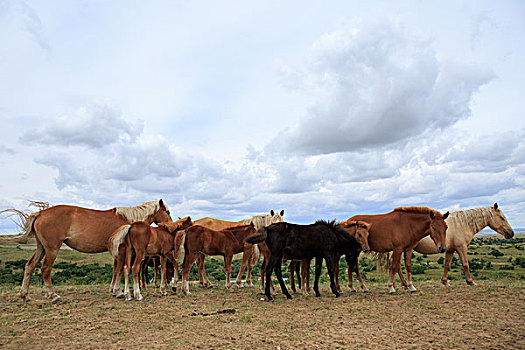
[{"x": 488, "y": 316}]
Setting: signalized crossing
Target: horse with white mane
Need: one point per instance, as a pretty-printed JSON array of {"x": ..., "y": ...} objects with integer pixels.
[
  {"x": 462, "y": 226},
  {"x": 83, "y": 229}
]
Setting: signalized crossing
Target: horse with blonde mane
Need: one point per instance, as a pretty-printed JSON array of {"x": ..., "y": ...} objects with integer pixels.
[
  {"x": 400, "y": 230},
  {"x": 83, "y": 229},
  {"x": 251, "y": 253},
  {"x": 462, "y": 226}
]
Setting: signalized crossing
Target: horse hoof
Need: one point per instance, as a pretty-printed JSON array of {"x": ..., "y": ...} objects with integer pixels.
[
  {"x": 318, "y": 294},
  {"x": 366, "y": 291},
  {"x": 270, "y": 300},
  {"x": 174, "y": 289},
  {"x": 26, "y": 298},
  {"x": 57, "y": 299},
  {"x": 353, "y": 290}
]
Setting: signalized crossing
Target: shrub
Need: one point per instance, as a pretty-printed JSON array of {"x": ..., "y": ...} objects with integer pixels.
[{"x": 496, "y": 253}]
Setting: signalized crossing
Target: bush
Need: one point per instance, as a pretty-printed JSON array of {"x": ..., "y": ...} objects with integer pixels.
[
  {"x": 418, "y": 269},
  {"x": 496, "y": 253}
]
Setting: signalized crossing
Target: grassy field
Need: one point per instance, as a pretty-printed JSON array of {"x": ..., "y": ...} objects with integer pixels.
[{"x": 489, "y": 315}]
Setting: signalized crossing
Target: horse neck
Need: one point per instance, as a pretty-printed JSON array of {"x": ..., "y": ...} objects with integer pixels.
[{"x": 471, "y": 221}]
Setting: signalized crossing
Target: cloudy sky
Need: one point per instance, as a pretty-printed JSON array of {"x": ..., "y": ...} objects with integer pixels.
[{"x": 230, "y": 109}]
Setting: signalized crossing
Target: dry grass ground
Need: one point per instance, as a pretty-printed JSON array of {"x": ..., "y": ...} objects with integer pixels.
[{"x": 488, "y": 316}]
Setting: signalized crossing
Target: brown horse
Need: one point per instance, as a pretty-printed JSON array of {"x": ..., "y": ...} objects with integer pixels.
[
  {"x": 144, "y": 240},
  {"x": 251, "y": 254},
  {"x": 302, "y": 269},
  {"x": 360, "y": 231},
  {"x": 202, "y": 240},
  {"x": 83, "y": 229},
  {"x": 400, "y": 230}
]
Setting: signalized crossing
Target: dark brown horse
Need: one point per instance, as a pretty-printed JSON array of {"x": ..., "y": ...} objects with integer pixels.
[
  {"x": 202, "y": 240},
  {"x": 400, "y": 230},
  {"x": 360, "y": 231},
  {"x": 321, "y": 240},
  {"x": 83, "y": 229},
  {"x": 144, "y": 240}
]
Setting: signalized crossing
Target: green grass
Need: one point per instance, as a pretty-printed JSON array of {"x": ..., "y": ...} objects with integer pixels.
[{"x": 490, "y": 258}]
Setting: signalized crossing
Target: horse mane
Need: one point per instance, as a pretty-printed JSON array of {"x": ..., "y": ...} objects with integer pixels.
[
  {"x": 233, "y": 228},
  {"x": 420, "y": 210},
  {"x": 475, "y": 218},
  {"x": 326, "y": 222},
  {"x": 262, "y": 220},
  {"x": 139, "y": 212}
]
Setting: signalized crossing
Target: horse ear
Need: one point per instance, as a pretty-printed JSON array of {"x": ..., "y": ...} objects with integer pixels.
[
  {"x": 432, "y": 215},
  {"x": 161, "y": 203},
  {"x": 446, "y": 215},
  {"x": 367, "y": 225},
  {"x": 272, "y": 213},
  {"x": 496, "y": 206},
  {"x": 282, "y": 212},
  {"x": 180, "y": 218}
]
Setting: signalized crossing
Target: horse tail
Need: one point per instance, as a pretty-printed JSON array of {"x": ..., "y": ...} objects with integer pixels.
[
  {"x": 256, "y": 254},
  {"x": 117, "y": 238},
  {"x": 382, "y": 261},
  {"x": 259, "y": 237},
  {"x": 28, "y": 228},
  {"x": 179, "y": 241}
]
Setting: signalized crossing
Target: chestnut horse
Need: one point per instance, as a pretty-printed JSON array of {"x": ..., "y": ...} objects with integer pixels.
[
  {"x": 144, "y": 240},
  {"x": 202, "y": 240},
  {"x": 400, "y": 230},
  {"x": 83, "y": 229},
  {"x": 321, "y": 240},
  {"x": 251, "y": 254},
  {"x": 462, "y": 226}
]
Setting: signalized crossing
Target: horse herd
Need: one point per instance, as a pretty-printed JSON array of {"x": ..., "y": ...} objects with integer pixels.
[{"x": 127, "y": 233}]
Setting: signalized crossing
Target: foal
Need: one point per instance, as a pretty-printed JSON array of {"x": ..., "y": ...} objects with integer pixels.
[
  {"x": 321, "y": 240},
  {"x": 145, "y": 240},
  {"x": 201, "y": 240}
]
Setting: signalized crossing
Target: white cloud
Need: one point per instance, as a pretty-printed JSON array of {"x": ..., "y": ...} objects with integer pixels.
[
  {"x": 376, "y": 86},
  {"x": 96, "y": 126}
]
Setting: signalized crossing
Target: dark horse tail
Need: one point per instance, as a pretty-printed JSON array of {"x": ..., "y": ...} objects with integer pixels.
[{"x": 259, "y": 237}]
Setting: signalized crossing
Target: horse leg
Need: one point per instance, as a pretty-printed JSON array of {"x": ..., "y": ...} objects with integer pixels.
[
  {"x": 330, "y": 266},
  {"x": 171, "y": 258},
  {"x": 47, "y": 265},
  {"x": 448, "y": 260},
  {"x": 127, "y": 265},
  {"x": 253, "y": 261},
  {"x": 279, "y": 274},
  {"x": 203, "y": 278},
  {"x": 305, "y": 276},
  {"x": 156, "y": 272},
  {"x": 350, "y": 279},
  {"x": 139, "y": 257},
  {"x": 143, "y": 274},
  {"x": 228, "y": 268},
  {"x": 462, "y": 252},
  {"x": 245, "y": 257},
  {"x": 175, "y": 278},
  {"x": 163, "y": 275},
  {"x": 363, "y": 287},
  {"x": 291, "y": 269},
  {"x": 189, "y": 259},
  {"x": 336, "y": 271},
  {"x": 408, "y": 266},
  {"x": 268, "y": 270},
  {"x": 318, "y": 265},
  {"x": 30, "y": 268},
  {"x": 394, "y": 267}
]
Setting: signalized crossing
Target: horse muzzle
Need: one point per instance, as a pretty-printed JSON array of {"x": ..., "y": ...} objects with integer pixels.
[
  {"x": 441, "y": 249},
  {"x": 509, "y": 234},
  {"x": 366, "y": 249}
]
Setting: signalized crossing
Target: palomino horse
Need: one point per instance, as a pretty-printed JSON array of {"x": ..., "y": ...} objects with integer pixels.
[
  {"x": 144, "y": 240},
  {"x": 83, "y": 229},
  {"x": 321, "y": 240},
  {"x": 462, "y": 226},
  {"x": 202, "y": 240},
  {"x": 251, "y": 254},
  {"x": 400, "y": 230},
  {"x": 360, "y": 232}
]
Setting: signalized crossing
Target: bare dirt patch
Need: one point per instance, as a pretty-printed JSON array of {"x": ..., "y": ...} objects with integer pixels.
[{"x": 490, "y": 315}]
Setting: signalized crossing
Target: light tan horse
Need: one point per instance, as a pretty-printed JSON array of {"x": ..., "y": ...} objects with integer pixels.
[
  {"x": 462, "y": 226},
  {"x": 83, "y": 229},
  {"x": 251, "y": 256}
]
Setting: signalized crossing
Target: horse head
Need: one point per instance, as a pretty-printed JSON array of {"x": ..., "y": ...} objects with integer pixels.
[
  {"x": 276, "y": 217},
  {"x": 438, "y": 230},
  {"x": 360, "y": 233},
  {"x": 498, "y": 222},
  {"x": 162, "y": 214},
  {"x": 174, "y": 226}
]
